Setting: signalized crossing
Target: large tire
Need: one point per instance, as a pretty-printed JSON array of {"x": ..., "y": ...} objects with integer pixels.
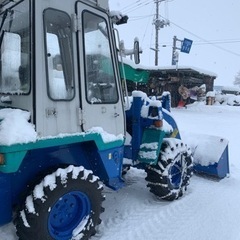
[
  {"x": 65, "y": 205},
  {"x": 169, "y": 178}
]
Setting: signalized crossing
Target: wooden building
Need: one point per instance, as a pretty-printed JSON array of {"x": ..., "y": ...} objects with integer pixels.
[{"x": 156, "y": 80}]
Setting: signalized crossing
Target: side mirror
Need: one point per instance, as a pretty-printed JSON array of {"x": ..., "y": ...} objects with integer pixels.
[{"x": 136, "y": 51}]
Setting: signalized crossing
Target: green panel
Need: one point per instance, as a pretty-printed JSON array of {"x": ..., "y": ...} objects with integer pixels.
[
  {"x": 58, "y": 141},
  {"x": 13, "y": 161},
  {"x": 151, "y": 145},
  {"x": 14, "y": 154},
  {"x": 135, "y": 75}
]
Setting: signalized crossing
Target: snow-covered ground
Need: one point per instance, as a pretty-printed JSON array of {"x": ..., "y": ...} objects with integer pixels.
[{"x": 209, "y": 210}]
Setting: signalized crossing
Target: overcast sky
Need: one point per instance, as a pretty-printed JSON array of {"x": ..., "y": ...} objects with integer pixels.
[{"x": 213, "y": 25}]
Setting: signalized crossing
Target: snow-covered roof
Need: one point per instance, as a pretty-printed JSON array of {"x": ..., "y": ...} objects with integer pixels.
[
  {"x": 161, "y": 68},
  {"x": 231, "y": 88},
  {"x": 186, "y": 68}
]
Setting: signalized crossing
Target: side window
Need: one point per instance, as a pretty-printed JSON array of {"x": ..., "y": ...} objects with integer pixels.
[
  {"x": 15, "y": 50},
  {"x": 99, "y": 73},
  {"x": 58, "y": 38}
]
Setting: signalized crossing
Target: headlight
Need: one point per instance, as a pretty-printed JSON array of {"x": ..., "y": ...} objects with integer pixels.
[{"x": 158, "y": 123}]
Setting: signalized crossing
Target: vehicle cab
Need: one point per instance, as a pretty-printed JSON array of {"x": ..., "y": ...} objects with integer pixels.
[{"x": 58, "y": 61}]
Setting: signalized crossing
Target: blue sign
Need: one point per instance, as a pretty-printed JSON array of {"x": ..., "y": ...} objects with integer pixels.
[{"x": 186, "y": 45}]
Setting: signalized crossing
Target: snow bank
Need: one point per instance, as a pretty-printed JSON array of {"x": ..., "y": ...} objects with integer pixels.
[
  {"x": 228, "y": 99},
  {"x": 222, "y": 99}
]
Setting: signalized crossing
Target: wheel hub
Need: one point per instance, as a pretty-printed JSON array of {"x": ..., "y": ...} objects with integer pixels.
[
  {"x": 176, "y": 174},
  {"x": 67, "y": 213}
]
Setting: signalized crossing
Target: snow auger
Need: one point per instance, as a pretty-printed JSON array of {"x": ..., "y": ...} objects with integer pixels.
[{"x": 210, "y": 155}]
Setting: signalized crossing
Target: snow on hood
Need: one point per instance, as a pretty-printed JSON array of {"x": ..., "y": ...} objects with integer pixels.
[
  {"x": 107, "y": 137},
  {"x": 15, "y": 128}
]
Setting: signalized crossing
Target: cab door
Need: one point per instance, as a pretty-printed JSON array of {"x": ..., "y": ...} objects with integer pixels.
[{"x": 101, "y": 100}]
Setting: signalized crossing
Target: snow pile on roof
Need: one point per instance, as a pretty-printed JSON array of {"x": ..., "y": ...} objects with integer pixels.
[
  {"x": 231, "y": 88},
  {"x": 182, "y": 67},
  {"x": 161, "y": 68},
  {"x": 15, "y": 128}
]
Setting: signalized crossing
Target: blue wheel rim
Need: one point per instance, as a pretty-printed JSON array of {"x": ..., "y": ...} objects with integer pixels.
[
  {"x": 176, "y": 174},
  {"x": 67, "y": 213}
]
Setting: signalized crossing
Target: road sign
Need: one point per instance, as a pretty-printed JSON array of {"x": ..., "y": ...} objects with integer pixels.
[{"x": 186, "y": 45}]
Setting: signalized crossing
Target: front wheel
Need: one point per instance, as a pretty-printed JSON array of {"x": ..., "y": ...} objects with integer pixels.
[
  {"x": 65, "y": 205},
  {"x": 169, "y": 178}
]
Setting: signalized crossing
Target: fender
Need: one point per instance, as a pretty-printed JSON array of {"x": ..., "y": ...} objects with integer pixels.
[{"x": 151, "y": 145}]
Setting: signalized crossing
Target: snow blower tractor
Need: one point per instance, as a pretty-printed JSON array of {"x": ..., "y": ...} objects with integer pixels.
[{"x": 64, "y": 120}]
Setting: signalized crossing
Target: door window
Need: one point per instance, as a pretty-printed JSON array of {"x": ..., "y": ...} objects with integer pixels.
[
  {"x": 58, "y": 38},
  {"x": 99, "y": 73}
]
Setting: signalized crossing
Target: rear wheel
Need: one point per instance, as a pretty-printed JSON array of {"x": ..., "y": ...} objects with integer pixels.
[
  {"x": 65, "y": 205},
  {"x": 169, "y": 179}
]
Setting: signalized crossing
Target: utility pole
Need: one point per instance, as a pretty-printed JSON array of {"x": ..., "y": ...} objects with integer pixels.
[
  {"x": 174, "y": 52},
  {"x": 185, "y": 47},
  {"x": 158, "y": 25},
  {"x": 156, "y": 33}
]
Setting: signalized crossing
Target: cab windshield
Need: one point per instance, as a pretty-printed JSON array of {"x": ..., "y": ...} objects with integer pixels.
[{"x": 15, "y": 50}]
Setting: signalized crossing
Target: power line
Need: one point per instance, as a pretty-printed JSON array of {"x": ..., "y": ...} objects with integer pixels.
[
  {"x": 147, "y": 25},
  {"x": 135, "y": 18},
  {"x": 130, "y": 5},
  {"x": 220, "y": 41},
  {"x": 133, "y": 5},
  {"x": 204, "y": 40},
  {"x": 139, "y": 5},
  {"x": 149, "y": 15}
]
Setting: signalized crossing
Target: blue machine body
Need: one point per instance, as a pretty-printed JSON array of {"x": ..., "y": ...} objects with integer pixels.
[
  {"x": 141, "y": 118},
  {"x": 28, "y": 163},
  {"x": 89, "y": 151}
]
